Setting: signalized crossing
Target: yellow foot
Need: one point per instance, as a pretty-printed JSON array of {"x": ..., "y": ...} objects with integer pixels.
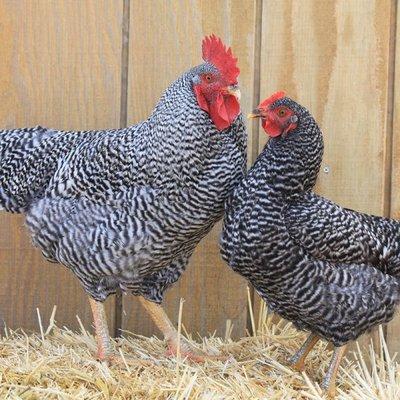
[
  {"x": 329, "y": 389},
  {"x": 296, "y": 362},
  {"x": 296, "y": 365},
  {"x": 190, "y": 352},
  {"x": 330, "y": 393}
]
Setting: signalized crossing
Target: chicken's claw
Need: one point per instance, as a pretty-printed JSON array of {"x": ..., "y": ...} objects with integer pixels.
[{"x": 187, "y": 350}]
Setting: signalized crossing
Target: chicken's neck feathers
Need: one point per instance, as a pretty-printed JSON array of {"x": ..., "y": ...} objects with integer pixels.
[
  {"x": 178, "y": 138},
  {"x": 292, "y": 163}
]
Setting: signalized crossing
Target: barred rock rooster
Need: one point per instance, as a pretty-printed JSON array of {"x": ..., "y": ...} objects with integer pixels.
[
  {"x": 124, "y": 209},
  {"x": 331, "y": 271}
]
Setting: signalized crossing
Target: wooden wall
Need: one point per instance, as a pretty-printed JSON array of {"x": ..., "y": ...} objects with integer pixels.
[{"x": 99, "y": 64}]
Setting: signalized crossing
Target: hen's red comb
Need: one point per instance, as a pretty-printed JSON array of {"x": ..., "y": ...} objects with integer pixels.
[
  {"x": 217, "y": 54},
  {"x": 271, "y": 99}
]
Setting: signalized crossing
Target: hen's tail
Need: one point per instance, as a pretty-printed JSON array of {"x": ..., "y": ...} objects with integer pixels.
[{"x": 28, "y": 160}]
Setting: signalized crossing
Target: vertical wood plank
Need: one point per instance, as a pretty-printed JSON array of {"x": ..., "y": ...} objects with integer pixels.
[
  {"x": 333, "y": 57},
  {"x": 60, "y": 67},
  {"x": 165, "y": 41},
  {"x": 393, "y": 328}
]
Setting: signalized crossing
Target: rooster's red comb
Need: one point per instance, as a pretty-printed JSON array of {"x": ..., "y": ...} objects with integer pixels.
[
  {"x": 271, "y": 99},
  {"x": 217, "y": 54}
]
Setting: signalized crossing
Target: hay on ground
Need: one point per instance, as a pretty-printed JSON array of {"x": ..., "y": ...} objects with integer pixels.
[{"x": 59, "y": 364}]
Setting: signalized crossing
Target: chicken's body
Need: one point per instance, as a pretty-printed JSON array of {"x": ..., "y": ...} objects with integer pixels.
[
  {"x": 330, "y": 271},
  {"x": 131, "y": 205},
  {"x": 337, "y": 301},
  {"x": 124, "y": 209}
]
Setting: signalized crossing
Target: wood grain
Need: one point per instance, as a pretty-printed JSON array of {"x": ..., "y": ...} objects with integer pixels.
[
  {"x": 60, "y": 67},
  {"x": 393, "y": 328},
  {"x": 333, "y": 57},
  {"x": 165, "y": 41}
]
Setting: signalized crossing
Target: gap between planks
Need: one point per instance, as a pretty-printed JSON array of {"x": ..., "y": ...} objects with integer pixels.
[
  {"x": 255, "y": 123},
  {"x": 123, "y": 123}
]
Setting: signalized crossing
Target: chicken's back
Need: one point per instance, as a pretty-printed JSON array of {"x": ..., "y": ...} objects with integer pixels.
[{"x": 329, "y": 232}]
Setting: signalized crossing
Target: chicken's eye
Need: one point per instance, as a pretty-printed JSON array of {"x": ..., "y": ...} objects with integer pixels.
[
  {"x": 208, "y": 78},
  {"x": 281, "y": 112}
]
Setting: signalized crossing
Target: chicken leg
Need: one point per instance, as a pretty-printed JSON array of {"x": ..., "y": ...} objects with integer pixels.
[
  {"x": 105, "y": 350},
  {"x": 104, "y": 347},
  {"x": 163, "y": 323},
  {"x": 329, "y": 381},
  {"x": 297, "y": 360}
]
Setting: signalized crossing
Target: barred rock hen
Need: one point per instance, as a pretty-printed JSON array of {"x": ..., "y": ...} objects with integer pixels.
[
  {"x": 329, "y": 270},
  {"x": 125, "y": 208}
]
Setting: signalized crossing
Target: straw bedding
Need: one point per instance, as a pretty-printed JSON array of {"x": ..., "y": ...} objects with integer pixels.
[{"x": 58, "y": 364}]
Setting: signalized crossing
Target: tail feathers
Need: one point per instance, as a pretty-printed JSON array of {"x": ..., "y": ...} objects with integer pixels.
[{"x": 27, "y": 159}]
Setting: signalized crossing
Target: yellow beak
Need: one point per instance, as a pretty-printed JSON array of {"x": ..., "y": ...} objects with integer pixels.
[
  {"x": 234, "y": 90},
  {"x": 255, "y": 114}
]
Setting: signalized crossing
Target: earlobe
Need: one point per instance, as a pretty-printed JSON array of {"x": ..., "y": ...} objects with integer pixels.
[{"x": 292, "y": 125}]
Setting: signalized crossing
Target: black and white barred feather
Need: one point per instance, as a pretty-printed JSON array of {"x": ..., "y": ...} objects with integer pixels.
[
  {"x": 124, "y": 209},
  {"x": 329, "y": 270}
]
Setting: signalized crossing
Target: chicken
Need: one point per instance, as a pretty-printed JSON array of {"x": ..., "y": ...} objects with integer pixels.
[
  {"x": 329, "y": 270},
  {"x": 124, "y": 209}
]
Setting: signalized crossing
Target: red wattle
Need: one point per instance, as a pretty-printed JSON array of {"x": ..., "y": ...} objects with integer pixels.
[
  {"x": 232, "y": 107},
  {"x": 218, "y": 113},
  {"x": 272, "y": 129},
  {"x": 222, "y": 111}
]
